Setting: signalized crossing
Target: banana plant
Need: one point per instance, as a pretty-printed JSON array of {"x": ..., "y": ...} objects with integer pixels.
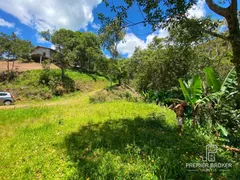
[
  {"x": 192, "y": 91},
  {"x": 227, "y": 88}
]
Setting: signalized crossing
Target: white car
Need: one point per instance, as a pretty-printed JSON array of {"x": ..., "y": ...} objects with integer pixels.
[{"x": 6, "y": 98}]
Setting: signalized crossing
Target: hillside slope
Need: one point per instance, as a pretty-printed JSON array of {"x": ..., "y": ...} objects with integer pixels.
[{"x": 32, "y": 85}]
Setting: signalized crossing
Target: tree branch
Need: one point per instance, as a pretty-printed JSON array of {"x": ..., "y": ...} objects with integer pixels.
[
  {"x": 231, "y": 149},
  {"x": 216, "y": 8},
  {"x": 216, "y": 35}
]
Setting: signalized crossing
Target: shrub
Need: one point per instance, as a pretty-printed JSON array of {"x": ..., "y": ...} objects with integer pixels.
[
  {"x": 59, "y": 90},
  {"x": 45, "y": 74},
  {"x": 98, "y": 98},
  {"x": 116, "y": 93},
  {"x": 8, "y": 76}
]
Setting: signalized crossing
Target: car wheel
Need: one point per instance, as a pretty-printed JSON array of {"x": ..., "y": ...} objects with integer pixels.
[{"x": 7, "y": 103}]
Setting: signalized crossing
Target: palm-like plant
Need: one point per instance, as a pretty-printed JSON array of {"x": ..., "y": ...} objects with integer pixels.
[
  {"x": 192, "y": 91},
  {"x": 218, "y": 90}
]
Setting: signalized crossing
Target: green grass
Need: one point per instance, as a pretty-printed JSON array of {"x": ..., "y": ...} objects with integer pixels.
[
  {"x": 33, "y": 139},
  {"x": 70, "y": 138}
]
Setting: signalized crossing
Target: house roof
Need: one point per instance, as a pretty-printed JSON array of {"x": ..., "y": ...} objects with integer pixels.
[{"x": 43, "y": 48}]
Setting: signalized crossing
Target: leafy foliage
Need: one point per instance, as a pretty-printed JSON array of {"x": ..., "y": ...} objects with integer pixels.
[
  {"x": 192, "y": 90},
  {"x": 212, "y": 79},
  {"x": 13, "y": 47},
  {"x": 76, "y": 49}
]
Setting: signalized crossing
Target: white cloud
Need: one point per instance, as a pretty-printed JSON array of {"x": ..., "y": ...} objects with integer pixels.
[
  {"x": 18, "y": 32},
  {"x": 40, "y": 39},
  {"x": 96, "y": 26},
  {"x": 6, "y": 23},
  {"x": 54, "y": 14},
  {"x": 131, "y": 41},
  {"x": 161, "y": 33},
  {"x": 197, "y": 10}
]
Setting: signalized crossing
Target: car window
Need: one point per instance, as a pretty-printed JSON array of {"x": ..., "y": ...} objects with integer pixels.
[{"x": 3, "y": 94}]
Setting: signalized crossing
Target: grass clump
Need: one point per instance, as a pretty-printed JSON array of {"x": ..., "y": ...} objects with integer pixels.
[{"x": 117, "y": 92}]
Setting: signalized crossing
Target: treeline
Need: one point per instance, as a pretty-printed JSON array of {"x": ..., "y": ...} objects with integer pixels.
[{"x": 163, "y": 62}]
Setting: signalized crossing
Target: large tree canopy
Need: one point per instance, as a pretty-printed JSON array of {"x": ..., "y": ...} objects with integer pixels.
[
  {"x": 12, "y": 47},
  {"x": 76, "y": 49},
  {"x": 165, "y": 13}
]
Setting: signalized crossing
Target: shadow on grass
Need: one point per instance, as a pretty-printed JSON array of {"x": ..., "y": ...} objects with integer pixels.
[
  {"x": 134, "y": 149},
  {"x": 69, "y": 84},
  {"x": 91, "y": 74}
]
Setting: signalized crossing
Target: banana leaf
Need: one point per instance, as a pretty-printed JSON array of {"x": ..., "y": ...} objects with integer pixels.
[{"x": 212, "y": 79}]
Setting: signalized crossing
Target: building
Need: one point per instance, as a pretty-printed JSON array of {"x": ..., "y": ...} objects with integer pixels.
[{"x": 40, "y": 53}]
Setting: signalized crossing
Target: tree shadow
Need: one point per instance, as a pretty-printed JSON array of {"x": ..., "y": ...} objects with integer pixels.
[
  {"x": 131, "y": 149},
  {"x": 92, "y": 74},
  {"x": 69, "y": 84}
]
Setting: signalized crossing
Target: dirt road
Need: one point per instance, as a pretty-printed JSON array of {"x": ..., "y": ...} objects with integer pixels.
[
  {"x": 76, "y": 99},
  {"x": 19, "y": 66}
]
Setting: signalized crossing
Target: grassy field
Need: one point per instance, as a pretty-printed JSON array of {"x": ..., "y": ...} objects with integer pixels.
[
  {"x": 37, "y": 142},
  {"x": 70, "y": 138}
]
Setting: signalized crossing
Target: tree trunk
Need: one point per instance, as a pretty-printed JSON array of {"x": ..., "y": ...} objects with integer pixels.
[
  {"x": 231, "y": 15},
  {"x": 13, "y": 65},
  {"x": 63, "y": 73},
  {"x": 119, "y": 81},
  {"x": 89, "y": 64},
  {"x": 236, "y": 61},
  {"x": 8, "y": 65},
  {"x": 194, "y": 116},
  {"x": 234, "y": 37}
]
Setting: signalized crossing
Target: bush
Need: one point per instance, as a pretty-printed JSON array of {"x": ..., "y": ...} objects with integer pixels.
[
  {"x": 8, "y": 76},
  {"x": 98, "y": 98},
  {"x": 116, "y": 93},
  {"x": 45, "y": 74}
]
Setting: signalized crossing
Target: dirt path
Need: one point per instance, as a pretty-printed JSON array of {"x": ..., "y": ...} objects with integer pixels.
[{"x": 83, "y": 98}]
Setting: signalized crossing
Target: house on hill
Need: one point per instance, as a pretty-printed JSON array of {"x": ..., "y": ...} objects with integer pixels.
[{"x": 40, "y": 53}]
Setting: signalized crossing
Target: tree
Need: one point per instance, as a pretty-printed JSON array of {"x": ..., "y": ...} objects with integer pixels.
[
  {"x": 14, "y": 48},
  {"x": 110, "y": 35},
  {"x": 158, "y": 67},
  {"x": 88, "y": 51},
  {"x": 174, "y": 12},
  {"x": 75, "y": 49},
  {"x": 63, "y": 41}
]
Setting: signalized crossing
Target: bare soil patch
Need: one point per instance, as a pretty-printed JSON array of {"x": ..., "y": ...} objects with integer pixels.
[{"x": 20, "y": 66}]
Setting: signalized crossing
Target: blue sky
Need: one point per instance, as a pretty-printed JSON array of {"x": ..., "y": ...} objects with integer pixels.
[{"x": 28, "y": 17}]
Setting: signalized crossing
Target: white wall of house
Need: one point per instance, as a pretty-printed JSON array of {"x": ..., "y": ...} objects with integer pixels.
[{"x": 43, "y": 51}]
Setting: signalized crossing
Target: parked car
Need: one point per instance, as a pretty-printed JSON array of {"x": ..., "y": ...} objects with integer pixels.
[{"x": 6, "y": 98}]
